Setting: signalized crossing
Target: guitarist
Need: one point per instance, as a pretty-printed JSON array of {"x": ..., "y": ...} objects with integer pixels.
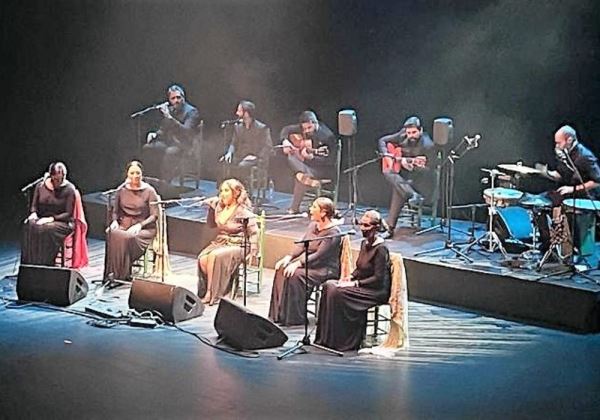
[
  {"x": 406, "y": 156},
  {"x": 310, "y": 149}
]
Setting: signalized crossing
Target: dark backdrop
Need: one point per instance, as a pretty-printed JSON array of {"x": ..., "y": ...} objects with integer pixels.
[{"x": 73, "y": 72}]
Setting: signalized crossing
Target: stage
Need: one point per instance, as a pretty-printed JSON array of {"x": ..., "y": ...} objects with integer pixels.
[{"x": 488, "y": 285}]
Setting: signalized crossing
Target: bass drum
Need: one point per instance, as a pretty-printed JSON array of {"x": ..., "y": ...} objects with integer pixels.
[{"x": 514, "y": 227}]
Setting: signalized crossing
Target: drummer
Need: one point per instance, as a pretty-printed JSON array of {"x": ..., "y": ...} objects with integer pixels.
[
  {"x": 574, "y": 160},
  {"x": 576, "y": 170}
]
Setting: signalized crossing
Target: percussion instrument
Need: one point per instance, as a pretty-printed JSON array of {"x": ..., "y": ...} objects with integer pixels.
[
  {"x": 520, "y": 169},
  {"x": 534, "y": 201},
  {"x": 582, "y": 212},
  {"x": 502, "y": 197}
]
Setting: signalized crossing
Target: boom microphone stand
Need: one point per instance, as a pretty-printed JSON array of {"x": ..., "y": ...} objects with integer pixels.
[
  {"x": 353, "y": 197},
  {"x": 448, "y": 164},
  {"x": 299, "y": 346}
]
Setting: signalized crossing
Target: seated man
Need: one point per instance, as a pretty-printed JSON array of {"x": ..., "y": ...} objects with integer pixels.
[
  {"x": 308, "y": 146},
  {"x": 577, "y": 172},
  {"x": 250, "y": 144},
  {"x": 177, "y": 129},
  {"x": 406, "y": 156}
]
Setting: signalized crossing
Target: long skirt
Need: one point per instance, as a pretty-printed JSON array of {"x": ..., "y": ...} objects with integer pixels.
[
  {"x": 289, "y": 294},
  {"x": 343, "y": 315},
  {"x": 123, "y": 249},
  {"x": 228, "y": 258},
  {"x": 41, "y": 243}
]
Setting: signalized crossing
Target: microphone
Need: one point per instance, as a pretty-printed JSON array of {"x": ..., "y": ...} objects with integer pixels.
[
  {"x": 37, "y": 181},
  {"x": 160, "y": 105},
  {"x": 472, "y": 142},
  {"x": 225, "y": 123}
]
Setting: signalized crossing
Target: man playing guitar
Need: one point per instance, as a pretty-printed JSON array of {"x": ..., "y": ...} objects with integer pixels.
[
  {"x": 308, "y": 146},
  {"x": 405, "y": 156}
]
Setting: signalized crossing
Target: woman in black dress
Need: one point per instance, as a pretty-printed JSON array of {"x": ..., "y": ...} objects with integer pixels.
[
  {"x": 51, "y": 217},
  {"x": 344, "y": 303},
  {"x": 289, "y": 294},
  {"x": 133, "y": 224}
]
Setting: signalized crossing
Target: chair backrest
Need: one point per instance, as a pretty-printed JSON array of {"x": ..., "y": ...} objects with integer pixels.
[{"x": 346, "y": 259}]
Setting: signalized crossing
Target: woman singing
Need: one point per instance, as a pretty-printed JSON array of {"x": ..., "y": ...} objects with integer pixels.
[
  {"x": 229, "y": 213},
  {"x": 288, "y": 294},
  {"x": 344, "y": 303},
  {"x": 51, "y": 217},
  {"x": 133, "y": 224}
]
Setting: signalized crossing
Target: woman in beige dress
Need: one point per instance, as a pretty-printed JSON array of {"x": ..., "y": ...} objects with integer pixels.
[{"x": 231, "y": 214}]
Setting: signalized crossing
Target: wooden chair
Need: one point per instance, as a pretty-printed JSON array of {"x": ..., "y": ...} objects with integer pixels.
[
  {"x": 391, "y": 318},
  {"x": 254, "y": 267}
]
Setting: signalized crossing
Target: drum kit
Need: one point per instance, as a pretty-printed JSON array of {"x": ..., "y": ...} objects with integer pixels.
[{"x": 513, "y": 218}]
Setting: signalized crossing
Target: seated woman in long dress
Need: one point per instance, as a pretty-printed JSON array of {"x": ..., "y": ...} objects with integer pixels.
[
  {"x": 344, "y": 303},
  {"x": 288, "y": 295},
  {"x": 51, "y": 217},
  {"x": 133, "y": 225},
  {"x": 230, "y": 212}
]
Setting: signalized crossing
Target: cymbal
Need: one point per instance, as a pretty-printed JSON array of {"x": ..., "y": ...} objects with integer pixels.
[
  {"x": 521, "y": 169},
  {"x": 493, "y": 172}
]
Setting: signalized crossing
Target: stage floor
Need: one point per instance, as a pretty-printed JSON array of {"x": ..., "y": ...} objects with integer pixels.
[
  {"x": 59, "y": 364},
  {"x": 487, "y": 283}
]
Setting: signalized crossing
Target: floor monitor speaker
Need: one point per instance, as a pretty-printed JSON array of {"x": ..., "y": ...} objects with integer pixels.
[
  {"x": 174, "y": 303},
  {"x": 243, "y": 329},
  {"x": 55, "y": 285}
]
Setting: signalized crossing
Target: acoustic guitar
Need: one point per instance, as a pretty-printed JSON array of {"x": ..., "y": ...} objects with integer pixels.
[
  {"x": 391, "y": 161},
  {"x": 303, "y": 147}
]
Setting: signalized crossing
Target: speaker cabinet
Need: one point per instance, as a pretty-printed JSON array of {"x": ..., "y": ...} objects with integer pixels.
[
  {"x": 55, "y": 285},
  {"x": 243, "y": 329},
  {"x": 347, "y": 124},
  {"x": 174, "y": 303},
  {"x": 443, "y": 131}
]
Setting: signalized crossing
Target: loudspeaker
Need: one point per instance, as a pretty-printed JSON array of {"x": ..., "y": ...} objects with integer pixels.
[
  {"x": 55, "y": 285},
  {"x": 347, "y": 125},
  {"x": 443, "y": 131},
  {"x": 243, "y": 329},
  {"x": 174, "y": 303}
]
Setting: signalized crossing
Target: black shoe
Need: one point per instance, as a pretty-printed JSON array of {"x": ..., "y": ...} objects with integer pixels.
[
  {"x": 416, "y": 200},
  {"x": 389, "y": 233}
]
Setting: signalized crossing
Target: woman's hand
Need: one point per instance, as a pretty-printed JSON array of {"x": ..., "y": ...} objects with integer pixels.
[
  {"x": 346, "y": 282},
  {"x": 134, "y": 229},
  {"x": 44, "y": 220},
  {"x": 283, "y": 262},
  {"x": 32, "y": 217},
  {"x": 114, "y": 225},
  {"x": 290, "y": 269}
]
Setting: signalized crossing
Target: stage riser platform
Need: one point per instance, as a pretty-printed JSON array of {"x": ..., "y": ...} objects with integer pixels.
[
  {"x": 546, "y": 303},
  {"x": 539, "y": 303}
]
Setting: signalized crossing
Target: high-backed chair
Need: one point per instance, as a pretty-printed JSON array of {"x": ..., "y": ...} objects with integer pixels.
[
  {"x": 254, "y": 266},
  {"x": 74, "y": 251},
  {"x": 391, "y": 318}
]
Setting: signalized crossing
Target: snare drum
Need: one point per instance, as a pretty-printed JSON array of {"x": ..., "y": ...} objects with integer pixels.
[{"x": 502, "y": 197}]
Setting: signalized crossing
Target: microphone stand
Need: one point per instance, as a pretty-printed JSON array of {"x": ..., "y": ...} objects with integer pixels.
[
  {"x": 299, "y": 346},
  {"x": 353, "y": 197},
  {"x": 449, "y": 163}
]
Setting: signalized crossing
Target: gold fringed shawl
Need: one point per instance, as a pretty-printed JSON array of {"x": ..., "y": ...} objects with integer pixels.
[
  {"x": 398, "y": 334},
  {"x": 346, "y": 260},
  {"x": 160, "y": 245}
]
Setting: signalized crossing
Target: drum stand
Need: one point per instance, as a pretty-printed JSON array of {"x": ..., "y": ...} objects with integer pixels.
[{"x": 490, "y": 237}]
